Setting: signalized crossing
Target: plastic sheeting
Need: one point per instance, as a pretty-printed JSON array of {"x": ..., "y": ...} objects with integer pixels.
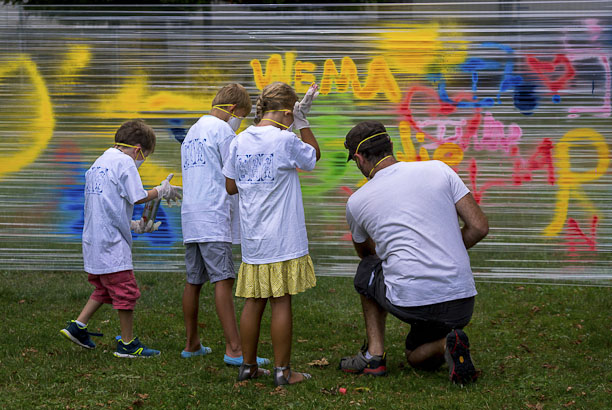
[{"x": 514, "y": 95}]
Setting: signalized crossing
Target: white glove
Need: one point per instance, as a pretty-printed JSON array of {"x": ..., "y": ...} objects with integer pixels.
[
  {"x": 141, "y": 227},
  {"x": 169, "y": 192},
  {"x": 302, "y": 108}
]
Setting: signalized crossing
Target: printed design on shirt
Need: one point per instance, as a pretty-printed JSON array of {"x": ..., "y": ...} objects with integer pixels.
[
  {"x": 256, "y": 168},
  {"x": 95, "y": 180},
  {"x": 194, "y": 153}
]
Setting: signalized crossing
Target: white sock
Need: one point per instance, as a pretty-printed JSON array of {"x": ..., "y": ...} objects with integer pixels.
[
  {"x": 80, "y": 324},
  {"x": 368, "y": 356}
]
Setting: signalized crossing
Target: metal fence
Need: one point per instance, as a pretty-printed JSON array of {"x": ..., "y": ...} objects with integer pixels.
[{"x": 514, "y": 95}]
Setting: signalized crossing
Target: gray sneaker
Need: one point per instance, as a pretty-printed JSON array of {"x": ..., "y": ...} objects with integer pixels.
[{"x": 358, "y": 364}]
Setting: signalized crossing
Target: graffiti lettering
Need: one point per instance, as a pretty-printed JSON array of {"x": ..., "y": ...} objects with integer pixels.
[
  {"x": 549, "y": 73},
  {"x": 379, "y": 78},
  {"x": 494, "y": 136},
  {"x": 570, "y": 182},
  {"x": 577, "y": 240}
]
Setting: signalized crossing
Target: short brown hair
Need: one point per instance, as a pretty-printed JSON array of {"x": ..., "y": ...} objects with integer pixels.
[
  {"x": 275, "y": 96},
  {"x": 234, "y": 93},
  {"x": 134, "y": 132}
]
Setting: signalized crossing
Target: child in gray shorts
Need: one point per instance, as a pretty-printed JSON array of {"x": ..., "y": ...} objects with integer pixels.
[{"x": 208, "y": 217}]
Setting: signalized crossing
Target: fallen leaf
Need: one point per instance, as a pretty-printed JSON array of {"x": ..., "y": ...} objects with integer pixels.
[
  {"x": 320, "y": 362},
  {"x": 21, "y": 301},
  {"x": 302, "y": 340},
  {"x": 143, "y": 396},
  {"x": 279, "y": 390},
  {"x": 569, "y": 403},
  {"x": 535, "y": 309}
]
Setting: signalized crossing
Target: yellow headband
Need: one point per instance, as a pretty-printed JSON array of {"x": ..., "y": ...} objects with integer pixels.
[
  {"x": 225, "y": 105},
  {"x": 370, "y": 137},
  {"x": 275, "y": 122},
  {"x": 370, "y": 174},
  {"x": 126, "y": 145},
  {"x": 132, "y": 146}
]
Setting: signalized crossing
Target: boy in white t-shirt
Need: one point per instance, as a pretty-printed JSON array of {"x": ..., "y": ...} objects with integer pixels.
[
  {"x": 210, "y": 222},
  {"x": 112, "y": 187}
]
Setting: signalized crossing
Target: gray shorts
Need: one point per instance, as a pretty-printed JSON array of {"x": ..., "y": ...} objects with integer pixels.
[
  {"x": 209, "y": 262},
  {"x": 427, "y": 323}
]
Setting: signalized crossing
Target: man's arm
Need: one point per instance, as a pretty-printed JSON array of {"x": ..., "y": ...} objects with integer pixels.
[
  {"x": 366, "y": 248},
  {"x": 476, "y": 225}
]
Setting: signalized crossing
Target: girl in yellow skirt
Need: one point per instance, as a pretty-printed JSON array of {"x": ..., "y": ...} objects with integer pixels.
[{"x": 262, "y": 167}]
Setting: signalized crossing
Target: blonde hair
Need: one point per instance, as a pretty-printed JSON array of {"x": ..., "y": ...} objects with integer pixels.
[
  {"x": 234, "y": 93},
  {"x": 275, "y": 96}
]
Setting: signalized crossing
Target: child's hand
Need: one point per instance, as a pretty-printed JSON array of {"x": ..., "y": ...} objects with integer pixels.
[
  {"x": 302, "y": 108},
  {"x": 169, "y": 192},
  {"x": 140, "y": 226}
]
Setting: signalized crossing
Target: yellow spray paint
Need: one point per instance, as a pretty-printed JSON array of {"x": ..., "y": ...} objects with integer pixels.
[
  {"x": 418, "y": 49},
  {"x": 570, "y": 182},
  {"x": 41, "y": 128},
  {"x": 135, "y": 101},
  {"x": 379, "y": 79},
  {"x": 76, "y": 59},
  {"x": 409, "y": 152},
  {"x": 301, "y": 79},
  {"x": 276, "y": 70},
  {"x": 448, "y": 152}
]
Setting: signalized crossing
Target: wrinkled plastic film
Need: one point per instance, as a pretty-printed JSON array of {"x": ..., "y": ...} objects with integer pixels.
[{"x": 515, "y": 96}]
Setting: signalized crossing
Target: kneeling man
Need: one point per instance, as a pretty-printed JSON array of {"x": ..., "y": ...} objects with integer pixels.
[{"x": 414, "y": 260}]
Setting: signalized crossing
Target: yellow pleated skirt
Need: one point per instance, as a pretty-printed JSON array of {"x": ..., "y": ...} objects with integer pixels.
[{"x": 277, "y": 279}]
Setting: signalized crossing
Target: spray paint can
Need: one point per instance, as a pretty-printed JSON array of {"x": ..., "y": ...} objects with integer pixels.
[{"x": 151, "y": 207}]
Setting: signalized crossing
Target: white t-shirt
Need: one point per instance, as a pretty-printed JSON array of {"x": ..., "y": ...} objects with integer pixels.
[
  {"x": 112, "y": 186},
  {"x": 208, "y": 213},
  {"x": 408, "y": 209},
  {"x": 263, "y": 162}
]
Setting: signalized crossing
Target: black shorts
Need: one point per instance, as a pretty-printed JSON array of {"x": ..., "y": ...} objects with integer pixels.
[{"x": 427, "y": 323}]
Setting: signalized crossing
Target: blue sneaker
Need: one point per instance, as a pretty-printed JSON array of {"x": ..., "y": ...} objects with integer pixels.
[
  {"x": 204, "y": 350},
  {"x": 134, "y": 349},
  {"x": 79, "y": 335},
  {"x": 237, "y": 361}
]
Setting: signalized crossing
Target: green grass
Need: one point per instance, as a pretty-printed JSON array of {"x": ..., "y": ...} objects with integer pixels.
[{"x": 538, "y": 346}]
